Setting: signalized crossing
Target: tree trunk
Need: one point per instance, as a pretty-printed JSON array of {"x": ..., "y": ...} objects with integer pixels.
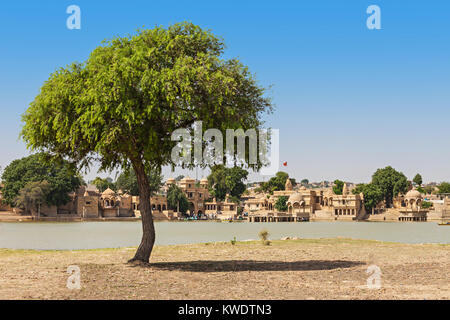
[{"x": 148, "y": 229}]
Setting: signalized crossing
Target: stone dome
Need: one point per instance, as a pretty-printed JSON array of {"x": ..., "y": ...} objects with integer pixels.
[
  {"x": 170, "y": 181},
  {"x": 187, "y": 180},
  {"x": 108, "y": 192},
  {"x": 204, "y": 180},
  {"x": 413, "y": 194},
  {"x": 295, "y": 197}
]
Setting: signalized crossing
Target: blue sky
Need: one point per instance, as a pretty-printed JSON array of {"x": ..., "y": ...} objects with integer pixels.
[{"x": 348, "y": 100}]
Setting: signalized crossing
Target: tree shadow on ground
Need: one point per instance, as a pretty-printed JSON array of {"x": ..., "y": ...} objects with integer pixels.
[{"x": 252, "y": 265}]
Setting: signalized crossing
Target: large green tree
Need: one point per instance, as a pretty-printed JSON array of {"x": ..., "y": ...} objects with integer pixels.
[
  {"x": 223, "y": 181},
  {"x": 60, "y": 175},
  {"x": 32, "y": 196},
  {"x": 277, "y": 183},
  {"x": 373, "y": 195},
  {"x": 391, "y": 183},
  {"x": 122, "y": 105}
]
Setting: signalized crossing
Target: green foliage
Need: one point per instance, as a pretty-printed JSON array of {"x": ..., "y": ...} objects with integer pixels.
[
  {"x": 32, "y": 196},
  {"x": 127, "y": 182},
  {"x": 179, "y": 178},
  {"x": 177, "y": 200},
  {"x": 444, "y": 187},
  {"x": 276, "y": 183},
  {"x": 223, "y": 181},
  {"x": 60, "y": 175},
  {"x": 264, "y": 235},
  {"x": 373, "y": 195},
  {"x": 421, "y": 190},
  {"x": 233, "y": 242},
  {"x": 426, "y": 204},
  {"x": 338, "y": 187},
  {"x": 280, "y": 204},
  {"x": 391, "y": 183},
  {"x": 418, "y": 179},
  {"x": 122, "y": 104},
  {"x": 103, "y": 184},
  {"x": 304, "y": 182}
]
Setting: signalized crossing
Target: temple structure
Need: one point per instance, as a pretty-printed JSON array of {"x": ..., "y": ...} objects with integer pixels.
[
  {"x": 305, "y": 204},
  {"x": 196, "y": 193},
  {"x": 302, "y": 204}
]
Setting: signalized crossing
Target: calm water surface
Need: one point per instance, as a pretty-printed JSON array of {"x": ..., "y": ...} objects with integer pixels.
[{"x": 93, "y": 235}]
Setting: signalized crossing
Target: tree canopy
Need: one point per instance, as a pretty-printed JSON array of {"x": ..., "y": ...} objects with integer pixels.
[
  {"x": 276, "y": 183},
  {"x": 391, "y": 182},
  {"x": 418, "y": 179},
  {"x": 373, "y": 195},
  {"x": 223, "y": 181},
  {"x": 338, "y": 187},
  {"x": 280, "y": 204},
  {"x": 32, "y": 195},
  {"x": 121, "y": 106},
  {"x": 444, "y": 187},
  {"x": 61, "y": 176}
]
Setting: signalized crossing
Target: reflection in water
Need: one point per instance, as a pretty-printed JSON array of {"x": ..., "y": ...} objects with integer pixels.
[{"x": 91, "y": 235}]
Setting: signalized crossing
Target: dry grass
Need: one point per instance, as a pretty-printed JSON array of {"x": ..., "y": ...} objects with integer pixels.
[{"x": 300, "y": 269}]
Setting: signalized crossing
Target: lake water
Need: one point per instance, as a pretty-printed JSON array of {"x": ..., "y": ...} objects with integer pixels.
[{"x": 93, "y": 235}]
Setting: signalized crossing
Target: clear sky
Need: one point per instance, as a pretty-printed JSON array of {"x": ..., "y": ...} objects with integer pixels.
[{"x": 348, "y": 99}]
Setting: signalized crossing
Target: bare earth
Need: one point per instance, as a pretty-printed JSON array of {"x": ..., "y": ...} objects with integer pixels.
[{"x": 292, "y": 269}]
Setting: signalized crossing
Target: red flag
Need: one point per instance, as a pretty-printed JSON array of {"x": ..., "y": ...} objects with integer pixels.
[{"x": 285, "y": 164}]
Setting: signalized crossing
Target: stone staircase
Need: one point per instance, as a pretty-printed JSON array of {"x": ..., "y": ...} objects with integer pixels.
[{"x": 388, "y": 215}]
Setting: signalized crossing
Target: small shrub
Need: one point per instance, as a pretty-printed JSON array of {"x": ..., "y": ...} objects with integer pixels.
[
  {"x": 233, "y": 242},
  {"x": 426, "y": 205},
  {"x": 266, "y": 242},
  {"x": 264, "y": 235}
]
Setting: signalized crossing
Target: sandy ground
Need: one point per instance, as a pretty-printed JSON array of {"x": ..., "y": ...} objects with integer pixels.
[{"x": 292, "y": 269}]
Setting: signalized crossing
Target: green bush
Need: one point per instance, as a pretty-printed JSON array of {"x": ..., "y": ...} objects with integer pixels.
[
  {"x": 264, "y": 236},
  {"x": 426, "y": 205}
]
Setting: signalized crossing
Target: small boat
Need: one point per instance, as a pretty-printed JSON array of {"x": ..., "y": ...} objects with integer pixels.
[{"x": 444, "y": 224}]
